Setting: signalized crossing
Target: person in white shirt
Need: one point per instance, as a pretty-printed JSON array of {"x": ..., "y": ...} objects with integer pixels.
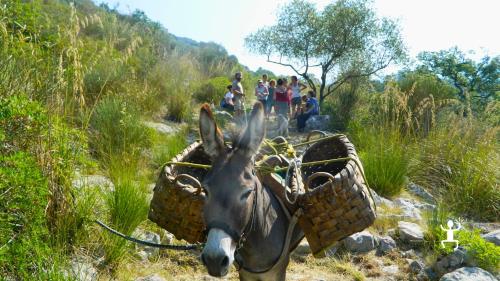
[
  {"x": 228, "y": 103},
  {"x": 296, "y": 88},
  {"x": 261, "y": 92}
]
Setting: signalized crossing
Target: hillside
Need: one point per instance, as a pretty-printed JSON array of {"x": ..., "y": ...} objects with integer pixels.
[{"x": 94, "y": 102}]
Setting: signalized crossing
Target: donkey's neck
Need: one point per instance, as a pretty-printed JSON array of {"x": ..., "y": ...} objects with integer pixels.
[{"x": 265, "y": 241}]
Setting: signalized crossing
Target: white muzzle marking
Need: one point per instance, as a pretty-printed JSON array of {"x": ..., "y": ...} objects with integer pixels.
[{"x": 218, "y": 243}]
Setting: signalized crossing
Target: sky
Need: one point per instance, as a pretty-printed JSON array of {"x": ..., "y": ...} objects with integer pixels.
[{"x": 426, "y": 25}]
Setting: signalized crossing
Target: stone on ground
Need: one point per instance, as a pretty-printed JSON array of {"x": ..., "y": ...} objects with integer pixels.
[
  {"x": 161, "y": 127},
  {"x": 318, "y": 122},
  {"x": 386, "y": 244},
  {"x": 410, "y": 232},
  {"x": 390, "y": 269},
  {"x": 409, "y": 210},
  {"x": 451, "y": 262},
  {"x": 104, "y": 183},
  {"x": 360, "y": 242},
  {"x": 468, "y": 274},
  {"x": 146, "y": 252},
  {"x": 415, "y": 265},
  {"x": 421, "y": 192},
  {"x": 493, "y": 237},
  {"x": 83, "y": 271},
  {"x": 154, "y": 277}
]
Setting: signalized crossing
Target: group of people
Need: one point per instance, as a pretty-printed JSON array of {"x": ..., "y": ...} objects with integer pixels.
[{"x": 285, "y": 98}]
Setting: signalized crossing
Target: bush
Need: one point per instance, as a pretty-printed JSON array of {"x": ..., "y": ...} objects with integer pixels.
[
  {"x": 166, "y": 147},
  {"x": 128, "y": 207},
  {"x": 179, "y": 107},
  {"x": 212, "y": 91},
  {"x": 116, "y": 129},
  {"x": 385, "y": 159},
  {"x": 24, "y": 249},
  {"x": 459, "y": 162},
  {"x": 484, "y": 253}
]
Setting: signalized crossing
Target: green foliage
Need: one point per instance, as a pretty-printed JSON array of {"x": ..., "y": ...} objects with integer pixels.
[
  {"x": 164, "y": 147},
  {"x": 22, "y": 122},
  {"x": 463, "y": 73},
  {"x": 459, "y": 161},
  {"x": 24, "y": 252},
  {"x": 385, "y": 158},
  {"x": 326, "y": 38},
  {"x": 342, "y": 103},
  {"x": 128, "y": 207},
  {"x": 213, "y": 90},
  {"x": 485, "y": 254},
  {"x": 117, "y": 131}
]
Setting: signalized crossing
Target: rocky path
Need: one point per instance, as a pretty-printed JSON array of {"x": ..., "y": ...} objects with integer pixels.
[{"x": 391, "y": 249}]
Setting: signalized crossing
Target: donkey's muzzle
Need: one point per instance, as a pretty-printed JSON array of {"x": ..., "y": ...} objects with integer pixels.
[{"x": 217, "y": 266}]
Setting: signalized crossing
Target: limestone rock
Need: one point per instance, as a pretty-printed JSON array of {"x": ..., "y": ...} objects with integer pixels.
[
  {"x": 493, "y": 237},
  {"x": 421, "y": 192},
  {"x": 410, "y": 232},
  {"x": 146, "y": 252},
  {"x": 390, "y": 269},
  {"x": 408, "y": 208},
  {"x": 386, "y": 244},
  {"x": 318, "y": 122},
  {"x": 161, "y": 127},
  {"x": 416, "y": 266},
  {"x": 360, "y": 242},
  {"x": 104, "y": 183},
  {"x": 154, "y": 277},
  {"x": 83, "y": 271},
  {"x": 468, "y": 274},
  {"x": 451, "y": 262}
]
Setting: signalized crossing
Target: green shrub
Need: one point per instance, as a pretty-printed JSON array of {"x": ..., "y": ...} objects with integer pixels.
[
  {"x": 22, "y": 122},
  {"x": 128, "y": 207},
  {"x": 482, "y": 252},
  {"x": 384, "y": 156},
  {"x": 212, "y": 91},
  {"x": 166, "y": 147},
  {"x": 25, "y": 251},
  {"x": 179, "y": 107},
  {"x": 459, "y": 162},
  {"x": 116, "y": 129}
]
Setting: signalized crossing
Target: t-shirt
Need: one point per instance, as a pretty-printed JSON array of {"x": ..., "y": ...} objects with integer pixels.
[
  {"x": 238, "y": 87},
  {"x": 228, "y": 95},
  {"x": 281, "y": 94},
  {"x": 262, "y": 90},
  {"x": 295, "y": 90},
  {"x": 313, "y": 102}
]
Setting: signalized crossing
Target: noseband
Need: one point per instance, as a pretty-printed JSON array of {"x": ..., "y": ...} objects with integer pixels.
[{"x": 239, "y": 236}]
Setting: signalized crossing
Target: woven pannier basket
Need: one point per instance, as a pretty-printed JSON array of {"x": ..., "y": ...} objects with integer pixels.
[
  {"x": 337, "y": 201},
  {"x": 177, "y": 204}
]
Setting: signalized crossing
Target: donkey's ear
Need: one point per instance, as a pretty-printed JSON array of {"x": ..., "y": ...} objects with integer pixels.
[
  {"x": 213, "y": 141},
  {"x": 253, "y": 135}
]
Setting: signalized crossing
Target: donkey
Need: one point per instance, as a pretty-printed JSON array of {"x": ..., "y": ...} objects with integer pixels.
[{"x": 246, "y": 223}]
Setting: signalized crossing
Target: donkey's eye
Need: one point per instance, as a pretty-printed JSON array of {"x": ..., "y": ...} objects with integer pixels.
[{"x": 245, "y": 195}]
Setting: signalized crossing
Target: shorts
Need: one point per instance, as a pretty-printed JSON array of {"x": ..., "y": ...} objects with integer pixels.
[
  {"x": 264, "y": 104},
  {"x": 281, "y": 107},
  {"x": 238, "y": 104},
  {"x": 296, "y": 101}
]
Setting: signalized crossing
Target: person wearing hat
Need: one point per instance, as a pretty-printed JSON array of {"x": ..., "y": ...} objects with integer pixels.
[
  {"x": 261, "y": 92},
  {"x": 238, "y": 92}
]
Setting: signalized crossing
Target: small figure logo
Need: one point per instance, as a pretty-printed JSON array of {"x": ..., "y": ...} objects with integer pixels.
[{"x": 449, "y": 233}]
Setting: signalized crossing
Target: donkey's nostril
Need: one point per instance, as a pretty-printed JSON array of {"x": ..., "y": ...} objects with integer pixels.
[{"x": 224, "y": 262}]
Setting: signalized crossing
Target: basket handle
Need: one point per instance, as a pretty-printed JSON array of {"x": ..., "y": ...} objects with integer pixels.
[
  {"x": 318, "y": 175},
  {"x": 190, "y": 178},
  {"x": 315, "y": 132}
]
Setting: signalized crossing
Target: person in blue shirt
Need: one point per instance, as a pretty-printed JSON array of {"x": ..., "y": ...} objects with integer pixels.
[{"x": 312, "y": 108}]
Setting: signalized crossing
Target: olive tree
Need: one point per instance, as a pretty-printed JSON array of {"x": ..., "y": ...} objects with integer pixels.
[{"x": 345, "y": 40}]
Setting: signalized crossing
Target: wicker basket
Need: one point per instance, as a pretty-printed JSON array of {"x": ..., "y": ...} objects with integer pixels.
[
  {"x": 177, "y": 203},
  {"x": 336, "y": 202}
]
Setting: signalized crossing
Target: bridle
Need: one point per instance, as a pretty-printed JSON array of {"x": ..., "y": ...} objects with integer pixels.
[{"x": 239, "y": 236}]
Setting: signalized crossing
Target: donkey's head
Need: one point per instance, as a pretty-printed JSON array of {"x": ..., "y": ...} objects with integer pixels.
[{"x": 230, "y": 188}]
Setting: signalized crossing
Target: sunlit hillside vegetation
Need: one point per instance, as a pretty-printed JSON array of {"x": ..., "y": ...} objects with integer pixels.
[{"x": 78, "y": 80}]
